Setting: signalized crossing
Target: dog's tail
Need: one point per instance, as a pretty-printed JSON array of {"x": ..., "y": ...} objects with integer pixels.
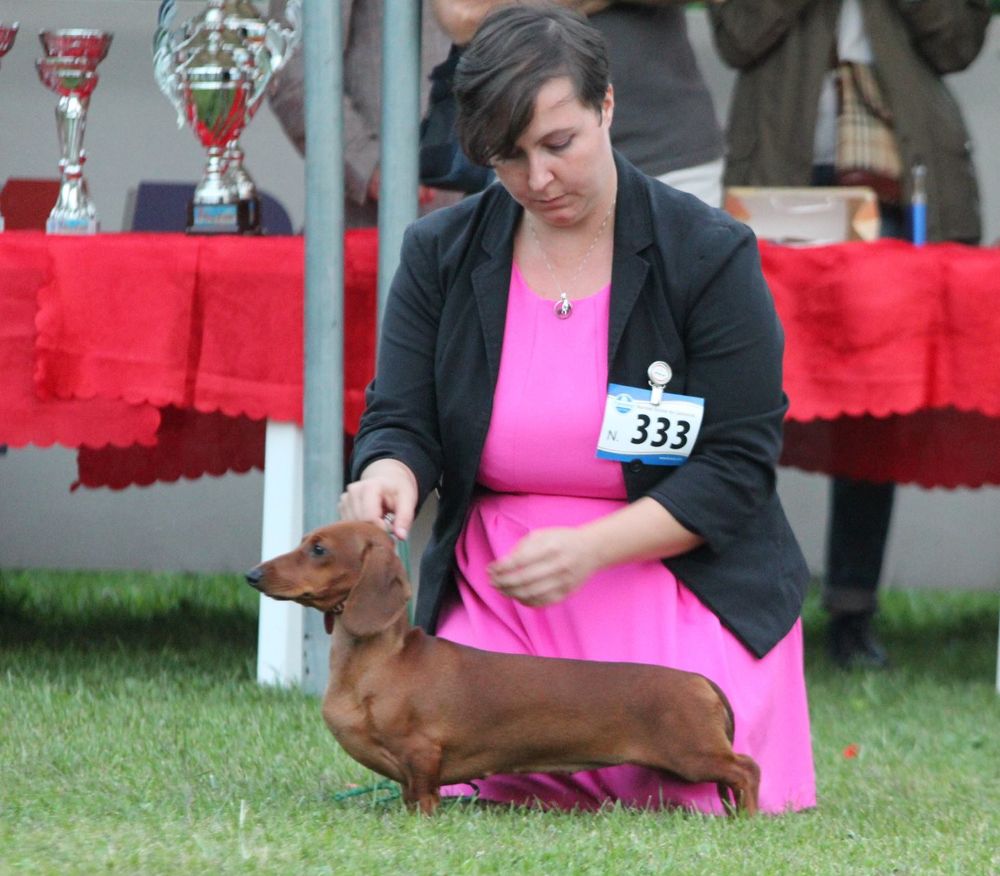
[{"x": 730, "y": 718}]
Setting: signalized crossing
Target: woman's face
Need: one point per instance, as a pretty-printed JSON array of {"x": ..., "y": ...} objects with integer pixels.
[{"x": 563, "y": 168}]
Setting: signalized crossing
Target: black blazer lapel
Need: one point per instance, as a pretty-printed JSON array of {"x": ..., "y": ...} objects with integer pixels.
[
  {"x": 491, "y": 278},
  {"x": 633, "y": 235}
]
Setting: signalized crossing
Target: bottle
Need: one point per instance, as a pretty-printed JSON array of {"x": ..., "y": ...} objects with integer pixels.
[{"x": 918, "y": 205}]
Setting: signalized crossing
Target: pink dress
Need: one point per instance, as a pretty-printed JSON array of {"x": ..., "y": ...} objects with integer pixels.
[{"x": 539, "y": 469}]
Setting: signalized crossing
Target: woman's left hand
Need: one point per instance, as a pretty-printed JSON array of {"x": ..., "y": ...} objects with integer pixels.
[{"x": 545, "y": 566}]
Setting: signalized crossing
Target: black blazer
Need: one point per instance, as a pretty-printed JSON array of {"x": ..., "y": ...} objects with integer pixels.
[{"x": 686, "y": 288}]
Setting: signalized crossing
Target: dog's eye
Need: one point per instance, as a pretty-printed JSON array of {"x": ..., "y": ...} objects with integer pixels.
[{"x": 317, "y": 550}]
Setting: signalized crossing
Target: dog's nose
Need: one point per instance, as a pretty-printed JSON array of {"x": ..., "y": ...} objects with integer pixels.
[{"x": 254, "y": 575}]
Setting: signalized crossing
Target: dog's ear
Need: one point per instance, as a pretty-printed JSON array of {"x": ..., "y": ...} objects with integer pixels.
[{"x": 380, "y": 595}]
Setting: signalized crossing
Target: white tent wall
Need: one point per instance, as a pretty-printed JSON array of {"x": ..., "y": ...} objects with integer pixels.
[{"x": 939, "y": 537}]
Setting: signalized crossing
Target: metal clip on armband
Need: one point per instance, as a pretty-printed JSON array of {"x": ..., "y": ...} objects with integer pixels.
[{"x": 659, "y": 374}]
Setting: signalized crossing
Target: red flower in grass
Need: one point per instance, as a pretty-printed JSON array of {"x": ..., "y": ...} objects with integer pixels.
[{"x": 851, "y": 751}]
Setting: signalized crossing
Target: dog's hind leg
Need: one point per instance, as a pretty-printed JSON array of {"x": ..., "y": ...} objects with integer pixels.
[{"x": 740, "y": 785}]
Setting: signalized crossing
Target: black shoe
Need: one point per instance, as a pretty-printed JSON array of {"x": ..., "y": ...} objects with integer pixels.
[{"x": 853, "y": 645}]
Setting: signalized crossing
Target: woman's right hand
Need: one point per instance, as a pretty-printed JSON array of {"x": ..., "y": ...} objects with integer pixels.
[{"x": 385, "y": 487}]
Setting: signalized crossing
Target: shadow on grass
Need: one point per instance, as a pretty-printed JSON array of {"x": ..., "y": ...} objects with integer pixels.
[
  {"x": 140, "y": 622},
  {"x": 184, "y": 626}
]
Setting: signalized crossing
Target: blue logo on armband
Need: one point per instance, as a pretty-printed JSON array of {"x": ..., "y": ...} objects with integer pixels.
[{"x": 623, "y": 403}]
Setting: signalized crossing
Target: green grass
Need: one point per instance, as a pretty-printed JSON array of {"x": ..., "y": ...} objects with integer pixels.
[{"x": 133, "y": 739}]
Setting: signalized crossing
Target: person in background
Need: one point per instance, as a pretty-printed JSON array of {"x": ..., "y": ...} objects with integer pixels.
[
  {"x": 665, "y": 123},
  {"x": 782, "y": 132},
  {"x": 524, "y": 328},
  {"x": 362, "y": 29}
]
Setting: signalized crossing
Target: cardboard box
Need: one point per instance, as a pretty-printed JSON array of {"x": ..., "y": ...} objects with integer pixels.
[{"x": 806, "y": 216}]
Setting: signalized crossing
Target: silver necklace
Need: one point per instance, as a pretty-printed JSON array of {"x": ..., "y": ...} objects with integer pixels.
[{"x": 563, "y": 308}]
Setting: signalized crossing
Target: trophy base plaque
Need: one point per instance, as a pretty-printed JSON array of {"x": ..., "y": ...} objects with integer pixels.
[
  {"x": 243, "y": 217},
  {"x": 71, "y": 225}
]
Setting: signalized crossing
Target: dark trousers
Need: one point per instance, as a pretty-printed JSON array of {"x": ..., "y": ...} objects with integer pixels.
[
  {"x": 860, "y": 511},
  {"x": 856, "y": 537}
]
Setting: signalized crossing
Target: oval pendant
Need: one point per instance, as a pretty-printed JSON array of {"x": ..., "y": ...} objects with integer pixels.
[{"x": 563, "y": 308}]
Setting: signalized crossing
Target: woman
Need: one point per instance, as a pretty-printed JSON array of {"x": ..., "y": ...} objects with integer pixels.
[
  {"x": 783, "y": 132},
  {"x": 525, "y": 327}
]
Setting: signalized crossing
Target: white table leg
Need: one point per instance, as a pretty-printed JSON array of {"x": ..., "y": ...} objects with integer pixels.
[{"x": 280, "y": 657}]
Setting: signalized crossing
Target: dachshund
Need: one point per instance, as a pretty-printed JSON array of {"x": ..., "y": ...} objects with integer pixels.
[{"x": 427, "y": 712}]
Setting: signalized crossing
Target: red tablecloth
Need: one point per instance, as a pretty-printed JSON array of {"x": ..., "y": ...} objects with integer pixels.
[
  {"x": 160, "y": 356},
  {"x": 891, "y": 356},
  {"x": 26, "y": 269}
]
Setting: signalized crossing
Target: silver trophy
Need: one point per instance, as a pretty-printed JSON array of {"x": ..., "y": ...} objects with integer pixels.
[
  {"x": 215, "y": 69},
  {"x": 69, "y": 68},
  {"x": 278, "y": 45},
  {"x": 7, "y": 34}
]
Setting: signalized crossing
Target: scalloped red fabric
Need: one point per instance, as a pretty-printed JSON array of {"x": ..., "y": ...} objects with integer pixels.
[
  {"x": 25, "y": 266},
  {"x": 189, "y": 444},
  {"x": 891, "y": 356},
  {"x": 243, "y": 361},
  {"x": 889, "y": 361},
  {"x": 887, "y": 328},
  {"x": 207, "y": 330},
  {"x": 198, "y": 322}
]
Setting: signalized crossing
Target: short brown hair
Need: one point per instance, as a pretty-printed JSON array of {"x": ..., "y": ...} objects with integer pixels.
[{"x": 515, "y": 51}]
